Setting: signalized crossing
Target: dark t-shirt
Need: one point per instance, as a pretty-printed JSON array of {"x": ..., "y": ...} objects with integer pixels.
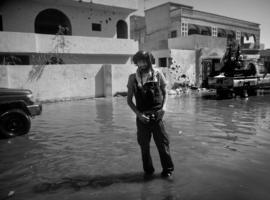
[{"x": 149, "y": 97}]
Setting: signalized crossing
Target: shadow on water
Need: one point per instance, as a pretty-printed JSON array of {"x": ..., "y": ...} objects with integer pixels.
[
  {"x": 215, "y": 97},
  {"x": 98, "y": 181},
  {"x": 212, "y": 95}
]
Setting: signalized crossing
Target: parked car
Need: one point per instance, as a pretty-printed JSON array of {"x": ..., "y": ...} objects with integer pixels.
[{"x": 17, "y": 106}]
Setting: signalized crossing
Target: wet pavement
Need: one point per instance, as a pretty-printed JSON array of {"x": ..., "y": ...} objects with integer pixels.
[{"x": 88, "y": 150}]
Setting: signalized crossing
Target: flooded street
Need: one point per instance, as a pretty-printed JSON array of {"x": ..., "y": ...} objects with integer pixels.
[{"x": 88, "y": 150}]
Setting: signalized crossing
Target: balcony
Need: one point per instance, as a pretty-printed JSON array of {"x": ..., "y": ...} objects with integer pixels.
[
  {"x": 213, "y": 18},
  {"x": 192, "y": 42},
  {"x": 15, "y": 42}
]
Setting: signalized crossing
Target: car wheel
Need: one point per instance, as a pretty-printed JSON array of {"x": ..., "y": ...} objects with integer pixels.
[{"x": 13, "y": 123}]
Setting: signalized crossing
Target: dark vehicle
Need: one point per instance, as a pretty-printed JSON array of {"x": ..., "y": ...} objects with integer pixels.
[
  {"x": 16, "y": 109},
  {"x": 237, "y": 73}
]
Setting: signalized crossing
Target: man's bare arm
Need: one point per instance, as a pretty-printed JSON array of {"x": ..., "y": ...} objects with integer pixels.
[
  {"x": 165, "y": 97},
  {"x": 130, "y": 102}
]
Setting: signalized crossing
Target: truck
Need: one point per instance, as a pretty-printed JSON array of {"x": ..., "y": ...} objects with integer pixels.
[
  {"x": 17, "y": 107},
  {"x": 236, "y": 73}
]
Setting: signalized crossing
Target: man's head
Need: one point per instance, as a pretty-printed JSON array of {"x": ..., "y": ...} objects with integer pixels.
[{"x": 143, "y": 60}]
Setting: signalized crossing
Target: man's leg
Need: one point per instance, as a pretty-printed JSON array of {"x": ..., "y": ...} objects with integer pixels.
[
  {"x": 162, "y": 142},
  {"x": 144, "y": 137}
]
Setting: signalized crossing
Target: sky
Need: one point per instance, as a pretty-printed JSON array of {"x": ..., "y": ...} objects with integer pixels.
[{"x": 257, "y": 11}]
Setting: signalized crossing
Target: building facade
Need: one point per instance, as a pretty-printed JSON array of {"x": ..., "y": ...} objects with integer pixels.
[
  {"x": 265, "y": 57},
  {"x": 172, "y": 30},
  {"x": 92, "y": 36}
]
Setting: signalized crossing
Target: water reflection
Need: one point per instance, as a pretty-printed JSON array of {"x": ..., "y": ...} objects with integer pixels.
[
  {"x": 165, "y": 188},
  {"x": 88, "y": 150},
  {"x": 104, "y": 113},
  {"x": 95, "y": 181}
]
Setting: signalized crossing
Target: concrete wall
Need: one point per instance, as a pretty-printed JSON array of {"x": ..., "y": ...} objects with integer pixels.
[
  {"x": 160, "y": 54},
  {"x": 13, "y": 42},
  {"x": 186, "y": 62},
  {"x": 205, "y": 18},
  {"x": 81, "y": 59},
  {"x": 3, "y": 76},
  {"x": 157, "y": 18},
  {"x": 176, "y": 26},
  {"x": 196, "y": 42},
  {"x": 156, "y": 41},
  {"x": 130, "y": 4},
  {"x": 183, "y": 63},
  {"x": 19, "y": 16},
  {"x": 120, "y": 74},
  {"x": 64, "y": 82}
]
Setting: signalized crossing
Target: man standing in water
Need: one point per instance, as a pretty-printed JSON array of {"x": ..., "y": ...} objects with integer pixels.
[{"x": 148, "y": 85}]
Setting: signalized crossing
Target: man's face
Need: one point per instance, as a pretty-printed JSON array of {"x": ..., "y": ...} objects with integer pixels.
[{"x": 142, "y": 64}]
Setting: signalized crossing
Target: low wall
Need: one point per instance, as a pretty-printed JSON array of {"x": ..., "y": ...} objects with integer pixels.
[
  {"x": 120, "y": 74},
  {"x": 192, "y": 42},
  {"x": 64, "y": 82},
  {"x": 11, "y": 42}
]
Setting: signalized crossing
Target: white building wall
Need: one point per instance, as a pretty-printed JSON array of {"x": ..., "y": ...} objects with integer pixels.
[
  {"x": 183, "y": 63},
  {"x": 109, "y": 58},
  {"x": 157, "y": 18},
  {"x": 66, "y": 82},
  {"x": 19, "y": 16},
  {"x": 11, "y": 42},
  {"x": 219, "y": 25},
  {"x": 176, "y": 25}
]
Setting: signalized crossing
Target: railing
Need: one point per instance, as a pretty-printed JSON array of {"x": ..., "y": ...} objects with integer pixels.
[
  {"x": 192, "y": 42},
  {"x": 14, "y": 42},
  {"x": 205, "y": 16}
]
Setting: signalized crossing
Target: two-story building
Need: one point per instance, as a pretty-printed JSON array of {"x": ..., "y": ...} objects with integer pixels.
[
  {"x": 180, "y": 36},
  {"x": 66, "y": 48}
]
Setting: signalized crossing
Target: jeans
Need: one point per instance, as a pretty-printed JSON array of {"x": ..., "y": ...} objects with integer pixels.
[{"x": 144, "y": 134}]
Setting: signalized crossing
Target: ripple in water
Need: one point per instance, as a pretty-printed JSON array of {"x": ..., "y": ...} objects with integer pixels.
[{"x": 217, "y": 146}]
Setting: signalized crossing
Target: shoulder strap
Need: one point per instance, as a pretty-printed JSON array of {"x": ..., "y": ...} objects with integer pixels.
[{"x": 158, "y": 77}]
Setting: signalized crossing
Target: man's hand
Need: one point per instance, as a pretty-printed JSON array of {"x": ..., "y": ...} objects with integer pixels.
[{"x": 143, "y": 118}]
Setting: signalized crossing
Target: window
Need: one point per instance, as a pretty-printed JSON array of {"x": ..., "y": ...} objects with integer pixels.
[
  {"x": 214, "y": 32},
  {"x": 267, "y": 67},
  {"x": 52, "y": 21},
  {"x": 153, "y": 61},
  {"x": 121, "y": 29},
  {"x": 96, "y": 27},
  {"x": 238, "y": 35},
  {"x": 184, "y": 29},
  {"x": 173, "y": 34},
  {"x": 152, "y": 58},
  {"x": 205, "y": 30},
  {"x": 1, "y": 23},
  {"x": 162, "y": 62},
  {"x": 11, "y": 59}
]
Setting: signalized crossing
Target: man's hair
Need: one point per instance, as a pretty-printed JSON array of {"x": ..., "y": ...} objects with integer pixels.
[{"x": 143, "y": 55}]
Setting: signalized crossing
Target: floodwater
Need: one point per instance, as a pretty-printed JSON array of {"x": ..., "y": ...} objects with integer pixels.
[{"x": 88, "y": 150}]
